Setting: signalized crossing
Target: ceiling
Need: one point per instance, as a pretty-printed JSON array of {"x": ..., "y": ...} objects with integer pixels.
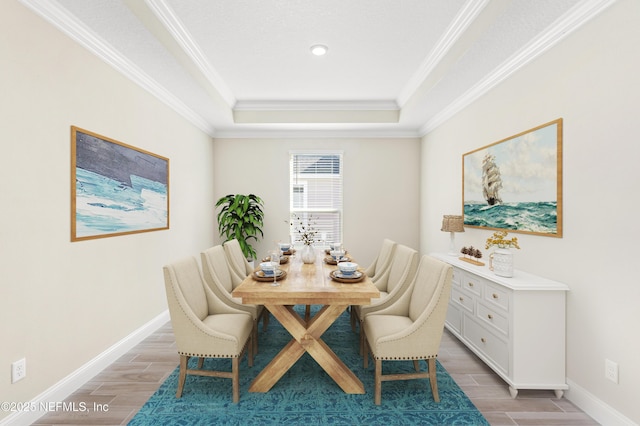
[{"x": 243, "y": 68}]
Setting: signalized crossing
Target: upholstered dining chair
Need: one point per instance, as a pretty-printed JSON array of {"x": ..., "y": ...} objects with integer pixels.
[
  {"x": 239, "y": 267},
  {"x": 411, "y": 328},
  {"x": 383, "y": 261},
  {"x": 217, "y": 275},
  {"x": 205, "y": 326},
  {"x": 391, "y": 284}
]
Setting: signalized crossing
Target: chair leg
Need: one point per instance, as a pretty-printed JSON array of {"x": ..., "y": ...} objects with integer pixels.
[
  {"x": 377, "y": 398},
  {"x": 265, "y": 319},
  {"x": 251, "y": 353},
  {"x": 416, "y": 365},
  {"x": 200, "y": 363},
  {"x": 307, "y": 313},
  {"x": 235, "y": 368},
  {"x": 433, "y": 379},
  {"x": 184, "y": 359},
  {"x": 254, "y": 336},
  {"x": 353, "y": 318},
  {"x": 365, "y": 354},
  {"x": 363, "y": 342}
]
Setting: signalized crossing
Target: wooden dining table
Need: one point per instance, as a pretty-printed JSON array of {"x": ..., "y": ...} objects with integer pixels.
[{"x": 306, "y": 284}]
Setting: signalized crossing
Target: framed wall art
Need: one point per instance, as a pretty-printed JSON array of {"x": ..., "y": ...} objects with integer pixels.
[
  {"x": 516, "y": 184},
  {"x": 116, "y": 189}
]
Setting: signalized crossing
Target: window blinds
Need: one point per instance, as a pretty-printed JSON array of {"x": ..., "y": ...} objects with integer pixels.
[{"x": 316, "y": 192}]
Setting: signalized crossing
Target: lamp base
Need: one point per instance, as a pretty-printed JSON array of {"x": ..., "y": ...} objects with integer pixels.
[{"x": 452, "y": 245}]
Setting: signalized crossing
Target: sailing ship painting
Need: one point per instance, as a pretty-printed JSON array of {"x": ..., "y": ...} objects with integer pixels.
[{"x": 516, "y": 184}]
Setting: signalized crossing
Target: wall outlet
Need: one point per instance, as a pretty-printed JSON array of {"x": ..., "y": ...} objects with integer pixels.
[
  {"x": 611, "y": 370},
  {"x": 18, "y": 370}
]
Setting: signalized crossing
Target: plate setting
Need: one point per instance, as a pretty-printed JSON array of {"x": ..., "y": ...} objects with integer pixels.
[
  {"x": 341, "y": 278},
  {"x": 259, "y": 275}
]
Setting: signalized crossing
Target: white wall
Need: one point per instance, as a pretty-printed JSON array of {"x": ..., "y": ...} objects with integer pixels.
[
  {"x": 381, "y": 187},
  {"x": 64, "y": 303},
  {"x": 591, "y": 80}
]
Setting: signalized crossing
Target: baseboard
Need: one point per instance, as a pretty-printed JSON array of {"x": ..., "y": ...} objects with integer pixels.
[
  {"x": 596, "y": 408},
  {"x": 65, "y": 387}
]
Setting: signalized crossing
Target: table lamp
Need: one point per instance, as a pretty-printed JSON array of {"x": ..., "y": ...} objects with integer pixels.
[{"x": 452, "y": 224}]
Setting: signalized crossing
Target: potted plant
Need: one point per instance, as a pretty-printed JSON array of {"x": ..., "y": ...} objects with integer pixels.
[{"x": 241, "y": 217}]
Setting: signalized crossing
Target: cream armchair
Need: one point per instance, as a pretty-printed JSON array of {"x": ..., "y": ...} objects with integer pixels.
[
  {"x": 382, "y": 261},
  {"x": 204, "y": 325},
  {"x": 217, "y": 275},
  {"x": 411, "y": 328},
  {"x": 391, "y": 284},
  {"x": 239, "y": 267}
]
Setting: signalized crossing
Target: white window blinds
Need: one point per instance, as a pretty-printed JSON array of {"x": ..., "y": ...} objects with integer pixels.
[{"x": 316, "y": 192}]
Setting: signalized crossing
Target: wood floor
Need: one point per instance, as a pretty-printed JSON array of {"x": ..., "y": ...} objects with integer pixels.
[{"x": 114, "y": 396}]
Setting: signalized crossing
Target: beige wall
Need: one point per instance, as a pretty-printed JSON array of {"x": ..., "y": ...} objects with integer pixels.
[
  {"x": 64, "y": 303},
  {"x": 591, "y": 80},
  {"x": 381, "y": 186}
]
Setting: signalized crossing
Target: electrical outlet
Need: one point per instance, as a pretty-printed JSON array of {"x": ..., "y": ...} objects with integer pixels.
[
  {"x": 18, "y": 370},
  {"x": 611, "y": 370}
]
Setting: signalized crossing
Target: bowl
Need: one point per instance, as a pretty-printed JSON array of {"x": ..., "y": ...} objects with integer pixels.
[
  {"x": 347, "y": 268},
  {"x": 267, "y": 268},
  {"x": 284, "y": 247}
]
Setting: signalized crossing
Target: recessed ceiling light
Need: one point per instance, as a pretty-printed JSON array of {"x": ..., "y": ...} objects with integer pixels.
[{"x": 319, "y": 49}]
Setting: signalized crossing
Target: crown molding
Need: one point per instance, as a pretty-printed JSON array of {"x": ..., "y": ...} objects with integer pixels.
[
  {"x": 571, "y": 21},
  {"x": 52, "y": 12},
  {"x": 174, "y": 26},
  {"x": 329, "y": 133},
  {"x": 276, "y": 105},
  {"x": 458, "y": 26}
]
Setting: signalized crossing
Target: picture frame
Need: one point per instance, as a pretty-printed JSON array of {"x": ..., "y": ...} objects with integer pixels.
[
  {"x": 116, "y": 189},
  {"x": 515, "y": 184}
]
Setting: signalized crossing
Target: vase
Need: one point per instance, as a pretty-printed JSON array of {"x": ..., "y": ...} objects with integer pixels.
[
  {"x": 503, "y": 262},
  {"x": 308, "y": 254}
]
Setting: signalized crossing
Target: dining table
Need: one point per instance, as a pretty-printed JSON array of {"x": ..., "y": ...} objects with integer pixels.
[{"x": 307, "y": 284}]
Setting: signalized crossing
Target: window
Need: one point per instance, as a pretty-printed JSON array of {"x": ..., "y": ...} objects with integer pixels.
[{"x": 316, "y": 191}]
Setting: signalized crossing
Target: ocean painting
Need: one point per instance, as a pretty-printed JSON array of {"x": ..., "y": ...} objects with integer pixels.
[
  {"x": 116, "y": 189},
  {"x": 516, "y": 184}
]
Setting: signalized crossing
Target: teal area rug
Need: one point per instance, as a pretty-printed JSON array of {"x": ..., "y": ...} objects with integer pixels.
[{"x": 306, "y": 395}]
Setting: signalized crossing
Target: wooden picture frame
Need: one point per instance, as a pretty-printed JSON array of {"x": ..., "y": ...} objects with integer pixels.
[
  {"x": 515, "y": 184},
  {"x": 116, "y": 189}
]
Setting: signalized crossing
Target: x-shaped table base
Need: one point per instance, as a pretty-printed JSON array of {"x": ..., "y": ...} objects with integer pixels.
[{"x": 306, "y": 338}]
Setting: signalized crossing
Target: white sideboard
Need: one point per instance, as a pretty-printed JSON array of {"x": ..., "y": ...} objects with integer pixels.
[{"x": 515, "y": 325}]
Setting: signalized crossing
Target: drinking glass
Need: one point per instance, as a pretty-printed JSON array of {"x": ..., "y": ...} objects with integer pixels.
[{"x": 274, "y": 257}]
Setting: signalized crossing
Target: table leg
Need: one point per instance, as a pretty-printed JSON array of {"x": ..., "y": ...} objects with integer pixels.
[{"x": 306, "y": 337}]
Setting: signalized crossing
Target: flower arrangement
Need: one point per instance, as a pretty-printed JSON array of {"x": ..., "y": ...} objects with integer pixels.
[
  {"x": 499, "y": 239},
  {"x": 305, "y": 229}
]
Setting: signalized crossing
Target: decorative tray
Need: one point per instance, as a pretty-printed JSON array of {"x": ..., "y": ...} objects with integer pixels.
[
  {"x": 355, "y": 278},
  {"x": 260, "y": 276},
  {"x": 331, "y": 261}
]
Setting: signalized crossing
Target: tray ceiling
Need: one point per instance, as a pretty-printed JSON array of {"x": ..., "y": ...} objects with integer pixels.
[{"x": 238, "y": 68}]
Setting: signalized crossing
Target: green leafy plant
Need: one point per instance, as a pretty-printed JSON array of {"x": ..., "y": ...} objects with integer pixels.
[{"x": 241, "y": 217}]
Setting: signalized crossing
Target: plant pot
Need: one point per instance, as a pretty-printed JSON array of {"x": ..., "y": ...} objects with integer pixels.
[
  {"x": 308, "y": 254},
  {"x": 502, "y": 262}
]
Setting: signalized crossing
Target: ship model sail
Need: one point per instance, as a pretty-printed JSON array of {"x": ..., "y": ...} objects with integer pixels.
[{"x": 491, "y": 180}]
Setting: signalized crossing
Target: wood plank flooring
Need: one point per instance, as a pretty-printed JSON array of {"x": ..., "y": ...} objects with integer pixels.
[{"x": 120, "y": 390}]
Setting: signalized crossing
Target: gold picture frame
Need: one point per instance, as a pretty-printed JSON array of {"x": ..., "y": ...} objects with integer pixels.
[
  {"x": 116, "y": 189},
  {"x": 515, "y": 184}
]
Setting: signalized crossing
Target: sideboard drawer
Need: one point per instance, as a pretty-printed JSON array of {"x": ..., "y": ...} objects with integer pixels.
[
  {"x": 497, "y": 295},
  {"x": 494, "y": 318},
  {"x": 454, "y": 318},
  {"x": 462, "y": 299},
  {"x": 457, "y": 276},
  {"x": 488, "y": 343},
  {"x": 472, "y": 283}
]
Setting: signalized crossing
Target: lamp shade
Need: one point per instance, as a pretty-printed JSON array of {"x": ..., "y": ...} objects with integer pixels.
[{"x": 452, "y": 223}]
